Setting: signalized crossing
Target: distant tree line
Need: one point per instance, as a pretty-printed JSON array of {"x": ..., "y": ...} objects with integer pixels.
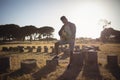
[
  {"x": 12, "y": 32},
  {"x": 110, "y": 35}
]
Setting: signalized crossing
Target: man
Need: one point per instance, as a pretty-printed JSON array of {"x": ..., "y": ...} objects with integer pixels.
[{"x": 67, "y": 36}]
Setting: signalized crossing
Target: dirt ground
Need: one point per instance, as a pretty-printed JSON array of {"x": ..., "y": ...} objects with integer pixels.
[{"x": 58, "y": 72}]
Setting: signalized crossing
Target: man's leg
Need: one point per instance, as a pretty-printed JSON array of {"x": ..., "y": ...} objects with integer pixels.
[
  {"x": 71, "y": 57},
  {"x": 57, "y": 48},
  {"x": 71, "y": 45}
]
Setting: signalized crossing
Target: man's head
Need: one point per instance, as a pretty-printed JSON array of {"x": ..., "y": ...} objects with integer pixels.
[{"x": 64, "y": 19}]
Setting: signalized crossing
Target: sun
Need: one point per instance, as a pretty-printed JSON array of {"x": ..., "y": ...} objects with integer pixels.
[{"x": 89, "y": 14}]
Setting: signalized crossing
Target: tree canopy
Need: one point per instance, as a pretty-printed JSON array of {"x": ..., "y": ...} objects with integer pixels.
[
  {"x": 15, "y": 32},
  {"x": 110, "y": 35}
]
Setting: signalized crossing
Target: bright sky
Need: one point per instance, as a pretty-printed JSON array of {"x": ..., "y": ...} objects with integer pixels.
[{"x": 85, "y": 14}]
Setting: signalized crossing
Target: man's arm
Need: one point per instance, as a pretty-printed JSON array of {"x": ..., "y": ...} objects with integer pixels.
[{"x": 60, "y": 32}]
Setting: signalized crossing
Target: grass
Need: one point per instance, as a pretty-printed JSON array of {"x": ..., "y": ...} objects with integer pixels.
[{"x": 16, "y": 58}]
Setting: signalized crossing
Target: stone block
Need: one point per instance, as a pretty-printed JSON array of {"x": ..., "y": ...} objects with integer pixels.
[{"x": 4, "y": 64}]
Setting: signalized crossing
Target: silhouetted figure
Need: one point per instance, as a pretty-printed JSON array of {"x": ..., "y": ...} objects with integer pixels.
[{"x": 67, "y": 36}]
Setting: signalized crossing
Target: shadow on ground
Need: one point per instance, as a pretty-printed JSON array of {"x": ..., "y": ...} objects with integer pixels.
[
  {"x": 115, "y": 72},
  {"x": 74, "y": 69},
  {"x": 43, "y": 72},
  {"x": 71, "y": 73},
  {"x": 91, "y": 72},
  {"x": 14, "y": 74}
]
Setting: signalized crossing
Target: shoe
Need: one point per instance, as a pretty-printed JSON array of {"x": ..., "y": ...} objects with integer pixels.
[{"x": 56, "y": 57}]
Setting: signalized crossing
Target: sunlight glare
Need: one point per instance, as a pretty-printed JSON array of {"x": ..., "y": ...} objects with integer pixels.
[{"x": 89, "y": 15}]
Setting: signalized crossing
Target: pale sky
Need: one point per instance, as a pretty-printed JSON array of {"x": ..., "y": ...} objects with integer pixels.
[{"x": 85, "y": 14}]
